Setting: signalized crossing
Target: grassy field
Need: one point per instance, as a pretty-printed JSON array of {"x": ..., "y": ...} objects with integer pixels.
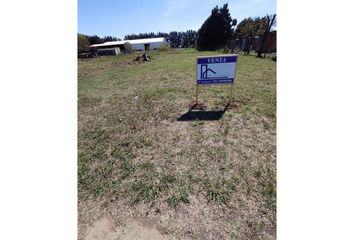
[{"x": 191, "y": 179}]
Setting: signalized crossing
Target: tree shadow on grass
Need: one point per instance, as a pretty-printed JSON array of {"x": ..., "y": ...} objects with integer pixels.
[{"x": 202, "y": 115}]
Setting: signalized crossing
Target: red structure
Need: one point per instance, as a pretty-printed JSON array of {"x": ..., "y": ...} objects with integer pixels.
[{"x": 270, "y": 44}]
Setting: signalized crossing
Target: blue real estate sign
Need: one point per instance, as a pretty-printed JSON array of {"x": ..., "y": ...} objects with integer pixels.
[{"x": 216, "y": 69}]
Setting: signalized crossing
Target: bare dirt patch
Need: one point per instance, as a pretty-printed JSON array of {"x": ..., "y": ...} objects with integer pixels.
[{"x": 105, "y": 228}]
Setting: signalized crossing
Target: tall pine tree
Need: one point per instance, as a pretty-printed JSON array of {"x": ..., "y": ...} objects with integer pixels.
[{"x": 216, "y": 29}]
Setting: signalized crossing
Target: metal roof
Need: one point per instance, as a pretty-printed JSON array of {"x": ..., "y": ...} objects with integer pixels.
[{"x": 135, "y": 41}]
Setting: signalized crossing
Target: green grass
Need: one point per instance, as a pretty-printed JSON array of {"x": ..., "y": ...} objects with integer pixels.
[{"x": 132, "y": 147}]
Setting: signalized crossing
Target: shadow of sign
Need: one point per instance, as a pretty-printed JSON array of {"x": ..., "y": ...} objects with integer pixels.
[{"x": 202, "y": 115}]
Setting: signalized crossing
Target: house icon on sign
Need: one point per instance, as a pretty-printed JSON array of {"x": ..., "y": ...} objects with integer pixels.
[{"x": 204, "y": 71}]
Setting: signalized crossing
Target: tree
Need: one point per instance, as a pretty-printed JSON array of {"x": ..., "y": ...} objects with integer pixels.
[
  {"x": 110, "y": 39},
  {"x": 227, "y": 22},
  {"x": 162, "y": 34},
  {"x": 145, "y": 35},
  {"x": 216, "y": 29},
  {"x": 175, "y": 39},
  {"x": 83, "y": 43},
  {"x": 188, "y": 38},
  {"x": 94, "y": 39},
  {"x": 270, "y": 23},
  {"x": 184, "y": 40},
  {"x": 249, "y": 28}
]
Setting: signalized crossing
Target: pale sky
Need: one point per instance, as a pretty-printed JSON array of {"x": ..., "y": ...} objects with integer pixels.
[{"x": 119, "y": 18}]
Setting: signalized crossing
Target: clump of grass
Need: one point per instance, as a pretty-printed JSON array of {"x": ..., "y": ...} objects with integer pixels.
[
  {"x": 126, "y": 169},
  {"x": 177, "y": 198},
  {"x": 147, "y": 165},
  {"x": 269, "y": 192},
  {"x": 150, "y": 184},
  {"x": 179, "y": 194},
  {"x": 146, "y": 189},
  {"x": 218, "y": 190},
  {"x": 164, "y": 48}
]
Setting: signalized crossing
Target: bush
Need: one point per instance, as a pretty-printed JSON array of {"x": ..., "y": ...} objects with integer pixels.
[
  {"x": 164, "y": 48},
  {"x": 82, "y": 43},
  {"x": 128, "y": 47}
]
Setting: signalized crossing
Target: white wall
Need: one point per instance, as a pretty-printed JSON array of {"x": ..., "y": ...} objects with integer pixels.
[
  {"x": 156, "y": 44},
  {"x": 153, "y": 45},
  {"x": 138, "y": 46},
  {"x": 117, "y": 49}
]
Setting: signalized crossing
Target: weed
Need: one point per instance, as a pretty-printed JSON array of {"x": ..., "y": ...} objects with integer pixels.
[
  {"x": 179, "y": 194},
  {"x": 148, "y": 190},
  {"x": 176, "y": 198},
  {"x": 218, "y": 190},
  {"x": 147, "y": 165},
  {"x": 150, "y": 185},
  {"x": 269, "y": 193}
]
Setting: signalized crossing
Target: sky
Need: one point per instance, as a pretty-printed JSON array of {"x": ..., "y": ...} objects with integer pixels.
[{"x": 121, "y": 17}]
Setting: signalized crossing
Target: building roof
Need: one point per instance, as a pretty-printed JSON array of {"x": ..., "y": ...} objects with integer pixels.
[{"x": 135, "y": 41}]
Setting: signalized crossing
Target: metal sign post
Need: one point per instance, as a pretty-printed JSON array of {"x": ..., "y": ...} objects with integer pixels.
[
  {"x": 232, "y": 88},
  {"x": 196, "y": 94},
  {"x": 230, "y": 96}
]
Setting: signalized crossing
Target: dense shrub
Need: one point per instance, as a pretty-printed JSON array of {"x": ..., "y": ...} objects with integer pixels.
[
  {"x": 128, "y": 47},
  {"x": 164, "y": 48}
]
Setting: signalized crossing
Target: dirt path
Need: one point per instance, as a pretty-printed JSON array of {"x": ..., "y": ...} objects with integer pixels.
[{"x": 105, "y": 229}]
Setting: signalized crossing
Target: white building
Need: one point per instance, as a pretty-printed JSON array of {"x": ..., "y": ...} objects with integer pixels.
[{"x": 137, "y": 44}]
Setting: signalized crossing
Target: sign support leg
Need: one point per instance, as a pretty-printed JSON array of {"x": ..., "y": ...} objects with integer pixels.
[
  {"x": 198, "y": 105},
  {"x": 231, "y": 90},
  {"x": 196, "y": 95}
]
